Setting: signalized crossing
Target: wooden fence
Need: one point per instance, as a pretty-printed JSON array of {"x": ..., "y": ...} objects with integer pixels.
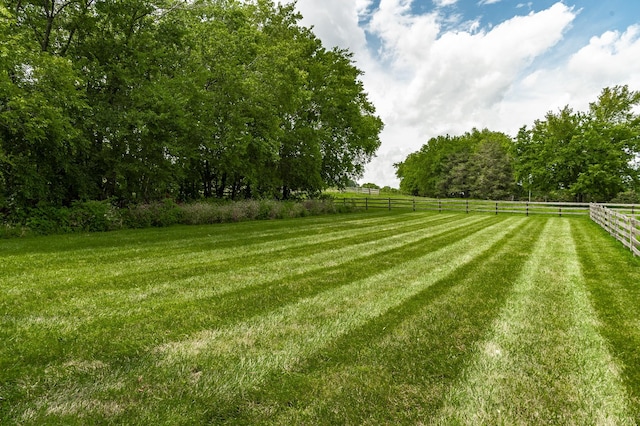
[
  {"x": 620, "y": 220},
  {"x": 468, "y": 206},
  {"x": 624, "y": 227},
  {"x": 365, "y": 191}
]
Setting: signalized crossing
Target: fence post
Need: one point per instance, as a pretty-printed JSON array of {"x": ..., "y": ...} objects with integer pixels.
[
  {"x": 414, "y": 204},
  {"x": 467, "y": 206},
  {"x": 496, "y": 208},
  {"x": 634, "y": 231},
  {"x": 439, "y": 206},
  {"x": 560, "y": 211},
  {"x": 389, "y": 204},
  {"x": 527, "y": 208},
  {"x": 366, "y": 203},
  {"x": 630, "y": 221}
]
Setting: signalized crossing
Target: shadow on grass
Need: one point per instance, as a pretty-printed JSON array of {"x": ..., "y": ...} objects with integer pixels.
[
  {"x": 613, "y": 280},
  {"x": 172, "y": 320},
  {"x": 397, "y": 368}
]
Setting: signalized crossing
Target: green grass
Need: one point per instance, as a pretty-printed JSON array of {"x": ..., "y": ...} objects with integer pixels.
[{"x": 373, "y": 318}]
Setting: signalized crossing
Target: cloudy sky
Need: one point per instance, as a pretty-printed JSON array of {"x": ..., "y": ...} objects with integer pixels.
[{"x": 435, "y": 67}]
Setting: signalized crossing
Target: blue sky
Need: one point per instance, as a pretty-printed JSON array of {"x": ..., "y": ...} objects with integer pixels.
[{"x": 434, "y": 67}]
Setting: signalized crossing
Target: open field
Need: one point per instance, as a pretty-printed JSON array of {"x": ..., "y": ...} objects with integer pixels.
[{"x": 372, "y": 318}]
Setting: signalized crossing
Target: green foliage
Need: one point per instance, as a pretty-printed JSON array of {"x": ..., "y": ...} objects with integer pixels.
[
  {"x": 628, "y": 197},
  {"x": 158, "y": 213},
  {"x": 138, "y": 101},
  {"x": 370, "y": 185},
  {"x": 590, "y": 156},
  {"x": 95, "y": 216},
  {"x": 389, "y": 190},
  {"x": 477, "y": 164},
  {"x": 45, "y": 220},
  {"x": 567, "y": 156},
  {"x": 99, "y": 216}
]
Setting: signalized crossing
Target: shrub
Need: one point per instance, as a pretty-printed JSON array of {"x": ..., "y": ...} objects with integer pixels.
[
  {"x": 8, "y": 230},
  {"x": 159, "y": 213},
  {"x": 201, "y": 213},
  {"x": 317, "y": 207},
  {"x": 252, "y": 209},
  {"x": 44, "y": 220},
  {"x": 95, "y": 216},
  {"x": 291, "y": 209},
  {"x": 629, "y": 197}
]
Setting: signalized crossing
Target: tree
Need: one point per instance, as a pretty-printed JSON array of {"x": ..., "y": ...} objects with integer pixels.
[
  {"x": 137, "y": 100},
  {"x": 491, "y": 168},
  {"x": 40, "y": 105},
  {"x": 611, "y": 136},
  {"x": 476, "y": 164},
  {"x": 370, "y": 185},
  {"x": 587, "y": 156}
]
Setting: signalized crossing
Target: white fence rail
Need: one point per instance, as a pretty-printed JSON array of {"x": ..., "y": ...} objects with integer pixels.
[
  {"x": 468, "y": 206},
  {"x": 365, "y": 191},
  {"x": 623, "y": 227}
]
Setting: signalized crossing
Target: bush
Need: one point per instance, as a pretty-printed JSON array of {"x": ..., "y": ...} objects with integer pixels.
[
  {"x": 629, "y": 197},
  {"x": 159, "y": 213},
  {"x": 8, "y": 230},
  {"x": 95, "y": 216},
  {"x": 45, "y": 220},
  {"x": 201, "y": 213}
]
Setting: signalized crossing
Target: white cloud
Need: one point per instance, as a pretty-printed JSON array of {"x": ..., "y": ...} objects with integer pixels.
[
  {"x": 450, "y": 82},
  {"x": 443, "y": 3},
  {"x": 608, "y": 60},
  {"x": 335, "y": 22},
  {"x": 611, "y": 58},
  {"x": 429, "y": 79}
]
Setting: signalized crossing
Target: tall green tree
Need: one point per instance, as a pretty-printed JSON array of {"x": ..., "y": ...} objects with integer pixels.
[
  {"x": 477, "y": 164},
  {"x": 491, "y": 169},
  {"x": 549, "y": 155},
  {"x": 41, "y": 102},
  {"x": 136, "y": 100},
  {"x": 611, "y": 136},
  {"x": 586, "y": 156}
]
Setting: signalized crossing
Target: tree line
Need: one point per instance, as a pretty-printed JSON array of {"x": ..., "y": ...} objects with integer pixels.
[
  {"x": 567, "y": 156},
  {"x": 141, "y": 100}
]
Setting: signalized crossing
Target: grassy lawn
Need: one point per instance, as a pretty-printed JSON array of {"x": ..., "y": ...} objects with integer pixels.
[{"x": 372, "y": 318}]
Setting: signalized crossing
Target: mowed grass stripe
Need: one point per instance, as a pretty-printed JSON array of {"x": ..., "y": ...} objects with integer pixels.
[
  {"x": 544, "y": 361},
  {"x": 213, "y": 280},
  {"x": 158, "y": 318},
  {"x": 279, "y": 340},
  {"x": 141, "y": 244},
  {"x": 270, "y": 289},
  {"x": 220, "y": 277},
  {"x": 221, "y": 364},
  {"x": 396, "y": 368},
  {"x": 66, "y": 331},
  {"x": 108, "y": 269},
  {"x": 612, "y": 278},
  {"x": 82, "y": 291}
]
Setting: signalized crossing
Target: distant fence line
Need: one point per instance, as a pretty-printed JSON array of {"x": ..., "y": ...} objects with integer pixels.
[
  {"x": 618, "y": 219},
  {"x": 623, "y": 227},
  {"x": 469, "y": 206},
  {"x": 367, "y": 191}
]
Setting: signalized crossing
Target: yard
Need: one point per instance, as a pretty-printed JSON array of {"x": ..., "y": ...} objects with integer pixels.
[{"x": 369, "y": 318}]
